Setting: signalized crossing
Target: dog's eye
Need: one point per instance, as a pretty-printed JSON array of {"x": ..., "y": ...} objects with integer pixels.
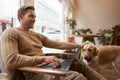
[{"x": 89, "y": 49}]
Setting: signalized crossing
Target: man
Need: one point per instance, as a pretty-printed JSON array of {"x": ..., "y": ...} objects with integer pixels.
[{"x": 22, "y": 47}]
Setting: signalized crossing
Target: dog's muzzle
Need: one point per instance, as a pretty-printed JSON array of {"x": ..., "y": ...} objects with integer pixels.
[{"x": 87, "y": 58}]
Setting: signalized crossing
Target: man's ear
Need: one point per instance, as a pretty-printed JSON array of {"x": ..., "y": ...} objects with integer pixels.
[{"x": 20, "y": 16}]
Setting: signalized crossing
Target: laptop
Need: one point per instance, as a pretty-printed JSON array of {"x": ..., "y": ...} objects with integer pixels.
[{"x": 65, "y": 63}]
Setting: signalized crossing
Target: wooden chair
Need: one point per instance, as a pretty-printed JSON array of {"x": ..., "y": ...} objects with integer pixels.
[{"x": 108, "y": 39}]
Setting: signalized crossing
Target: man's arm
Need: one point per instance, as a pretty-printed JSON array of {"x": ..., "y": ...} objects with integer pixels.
[
  {"x": 10, "y": 52},
  {"x": 60, "y": 45}
]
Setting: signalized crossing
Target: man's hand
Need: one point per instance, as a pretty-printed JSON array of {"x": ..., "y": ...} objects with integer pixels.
[
  {"x": 52, "y": 59},
  {"x": 84, "y": 43}
]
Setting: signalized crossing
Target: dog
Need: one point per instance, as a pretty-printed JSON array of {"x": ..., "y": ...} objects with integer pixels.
[{"x": 102, "y": 55}]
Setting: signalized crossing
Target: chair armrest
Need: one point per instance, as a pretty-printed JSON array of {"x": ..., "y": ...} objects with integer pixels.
[{"x": 44, "y": 71}]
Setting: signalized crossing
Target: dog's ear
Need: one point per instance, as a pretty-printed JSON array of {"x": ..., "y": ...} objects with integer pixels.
[{"x": 96, "y": 51}]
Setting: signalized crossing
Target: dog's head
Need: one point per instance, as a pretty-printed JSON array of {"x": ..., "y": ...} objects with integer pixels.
[{"x": 90, "y": 51}]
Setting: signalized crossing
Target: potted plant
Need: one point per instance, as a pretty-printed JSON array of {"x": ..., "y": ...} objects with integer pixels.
[{"x": 71, "y": 23}]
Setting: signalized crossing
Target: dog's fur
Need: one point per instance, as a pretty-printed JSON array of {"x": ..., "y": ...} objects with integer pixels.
[{"x": 102, "y": 54}]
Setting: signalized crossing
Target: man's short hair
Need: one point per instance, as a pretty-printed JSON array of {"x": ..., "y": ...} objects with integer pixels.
[{"x": 22, "y": 10}]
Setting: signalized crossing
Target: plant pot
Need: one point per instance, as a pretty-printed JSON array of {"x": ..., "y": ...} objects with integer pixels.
[{"x": 70, "y": 39}]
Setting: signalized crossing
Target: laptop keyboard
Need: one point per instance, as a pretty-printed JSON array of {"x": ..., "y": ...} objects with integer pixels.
[{"x": 65, "y": 64}]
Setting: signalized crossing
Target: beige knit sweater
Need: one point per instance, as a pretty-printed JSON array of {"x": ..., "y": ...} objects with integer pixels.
[{"x": 20, "y": 48}]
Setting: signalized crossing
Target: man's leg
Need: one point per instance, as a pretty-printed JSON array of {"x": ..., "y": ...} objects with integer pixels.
[
  {"x": 33, "y": 76},
  {"x": 73, "y": 75},
  {"x": 70, "y": 75},
  {"x": 86, "y": 71}
]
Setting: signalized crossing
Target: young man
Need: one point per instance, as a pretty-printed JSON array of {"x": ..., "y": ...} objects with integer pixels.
[{"x": 22, "y": 47}]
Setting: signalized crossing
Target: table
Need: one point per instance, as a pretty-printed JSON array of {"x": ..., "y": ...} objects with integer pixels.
[{"x": 87, "y": 37}]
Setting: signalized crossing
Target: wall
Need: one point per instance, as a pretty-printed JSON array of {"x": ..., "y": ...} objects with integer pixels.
[
  {"x": 97, "y": 14},
  {"x": 27, "y": 2}
]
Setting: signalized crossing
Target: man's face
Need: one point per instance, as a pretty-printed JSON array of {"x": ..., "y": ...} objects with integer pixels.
[{"x": 28, "y": 19}]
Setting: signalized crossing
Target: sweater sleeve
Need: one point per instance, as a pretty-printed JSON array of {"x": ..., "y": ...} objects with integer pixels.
[
  {"x": 10, "y": 52},
  {"x": 60, "y": 45}
]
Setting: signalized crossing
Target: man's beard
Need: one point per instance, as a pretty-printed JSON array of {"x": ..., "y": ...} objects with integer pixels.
[{"x": 29, "y": 26}]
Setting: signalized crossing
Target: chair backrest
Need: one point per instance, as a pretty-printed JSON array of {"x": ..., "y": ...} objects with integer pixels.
[
  {"x": 2, "y": 66},
  {"x": 18, "y": 75}
]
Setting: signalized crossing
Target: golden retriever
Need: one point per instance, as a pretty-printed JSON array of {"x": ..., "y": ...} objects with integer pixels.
[{"x": 101, "y": 54}]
